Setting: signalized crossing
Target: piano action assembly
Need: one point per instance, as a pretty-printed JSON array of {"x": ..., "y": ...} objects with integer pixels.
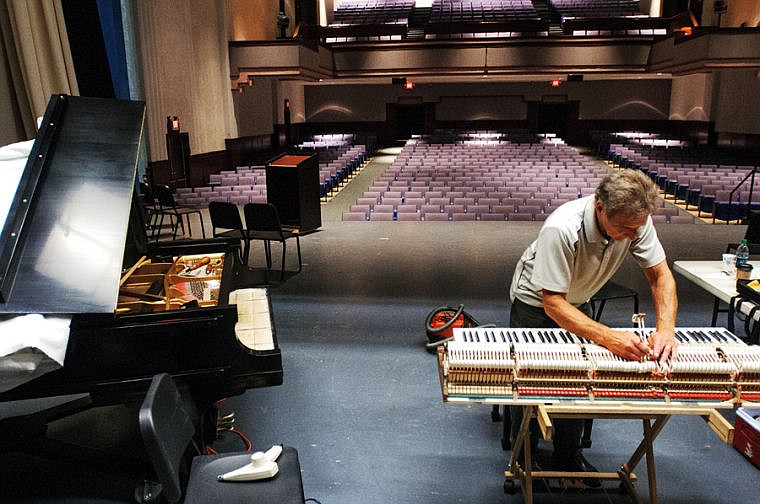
[
  {"x": 553, "y": 365},
  {"x": 552, "y": 373}
]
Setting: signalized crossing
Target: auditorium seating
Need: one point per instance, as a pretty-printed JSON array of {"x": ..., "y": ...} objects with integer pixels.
[
  {"x": 369, "y": 20},
  {"x": 338, "y": 160},
  {"x": 327, "y": 140},
  {"x": 244, "y": 184},
  {"x": 479, "y": 175},
  {"x": 452, "y": 175},
  {"x": 709, "y": 180},
  {"x": 389, "y": 20},
  {"x": 462, "y": 11},
  {"x": 595, "y": 8},
  {"x": 373, "y": 11},
  {"x": 453, "y": 19}
]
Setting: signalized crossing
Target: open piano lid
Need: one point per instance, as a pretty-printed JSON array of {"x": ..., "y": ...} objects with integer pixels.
[{"x": 62, "y": 245}]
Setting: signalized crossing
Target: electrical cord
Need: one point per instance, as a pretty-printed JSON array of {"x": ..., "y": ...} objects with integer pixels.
[{"x": 209, "y": 450}]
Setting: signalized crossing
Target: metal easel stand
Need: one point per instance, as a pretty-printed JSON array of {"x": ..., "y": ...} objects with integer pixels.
[{"x": 658, "y": 413}]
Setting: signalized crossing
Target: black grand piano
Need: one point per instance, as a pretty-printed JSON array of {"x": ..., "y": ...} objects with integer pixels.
[{"x": 74, "y": 243}]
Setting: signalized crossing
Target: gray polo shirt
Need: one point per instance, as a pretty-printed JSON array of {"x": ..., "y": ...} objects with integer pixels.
[{"x": 571, "y": 255}]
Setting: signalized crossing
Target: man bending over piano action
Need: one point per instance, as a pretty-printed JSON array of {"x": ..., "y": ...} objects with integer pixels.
[{"x": 579, "y": 248}]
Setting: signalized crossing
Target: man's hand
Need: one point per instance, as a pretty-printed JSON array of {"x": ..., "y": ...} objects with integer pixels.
[
  {"x": 626, "y": 345},
  {"x": 663, "y": 288},
  {"x": 664, "y": 345}
]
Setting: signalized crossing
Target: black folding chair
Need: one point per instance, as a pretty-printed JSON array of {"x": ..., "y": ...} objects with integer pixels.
[
  {"x": 150, "y": 205},
  {"x": 609, "y": 291},
  {"x": 167, "y": 206},
  {"x": 262, "y": 222},
  {"x": 226, "y": 222}
]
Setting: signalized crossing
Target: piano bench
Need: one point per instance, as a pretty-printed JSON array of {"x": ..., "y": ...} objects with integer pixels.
[
  {"x": 285, "y": 487},
  {"x": 168, "y": 430}
]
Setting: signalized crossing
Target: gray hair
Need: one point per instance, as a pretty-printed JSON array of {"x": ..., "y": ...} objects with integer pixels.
[{"x": 627, "y": 192}]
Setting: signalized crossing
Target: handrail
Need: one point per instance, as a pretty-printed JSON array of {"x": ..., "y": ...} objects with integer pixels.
[{"x": 751, "y": 189}]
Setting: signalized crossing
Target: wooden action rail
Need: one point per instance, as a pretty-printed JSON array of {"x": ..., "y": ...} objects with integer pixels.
[{"x": 653, "y": 417}]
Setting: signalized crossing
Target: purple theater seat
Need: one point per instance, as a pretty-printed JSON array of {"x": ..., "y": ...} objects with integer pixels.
[
  {"x": 438, "y": 201},
  {"x": 681, "y": 219},
  {"x": 360, "y": 208},
  {"x": 406, "y": 209},
  {"x": 354, "y": 216},
  {"x": 436, "y": 216},
  {"x": 394, "y": 202},
  {"x": 430, "y": 208},
  {"x": 454, "y": 209},
  {"x": 383, "y": 209},
  {"x": 367, "y": 201},
  {"x": 531, "y": 209},
  {"x": 380, "y": 216},
  {"x": 409, "y": 217}
]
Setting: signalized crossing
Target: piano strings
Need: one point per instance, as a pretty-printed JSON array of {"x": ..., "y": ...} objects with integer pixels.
[
  {"x": 713, "y": 365},
  {"x": 158, "y": 286}
]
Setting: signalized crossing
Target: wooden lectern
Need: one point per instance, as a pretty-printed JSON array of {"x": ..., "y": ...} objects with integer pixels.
[{"x": 293, "y": 188}]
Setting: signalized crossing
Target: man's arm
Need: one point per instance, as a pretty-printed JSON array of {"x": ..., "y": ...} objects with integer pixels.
[
  {"x": 623, "y": 343},
  {"x": 663, "y": 287}
]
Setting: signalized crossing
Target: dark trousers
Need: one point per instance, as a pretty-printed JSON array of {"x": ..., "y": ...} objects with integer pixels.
[{"x": 567, "y": 432}]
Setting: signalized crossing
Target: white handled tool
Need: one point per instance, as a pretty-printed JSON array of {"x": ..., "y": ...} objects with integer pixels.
[{"x": 262, "y": 466}]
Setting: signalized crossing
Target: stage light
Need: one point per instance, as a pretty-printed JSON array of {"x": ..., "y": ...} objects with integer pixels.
[
  {"x": 409, "y": 84},
  {"x": 556, "y": 82}
]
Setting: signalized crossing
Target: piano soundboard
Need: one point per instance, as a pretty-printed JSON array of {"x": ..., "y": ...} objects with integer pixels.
[{"x": 532, "y": 365}]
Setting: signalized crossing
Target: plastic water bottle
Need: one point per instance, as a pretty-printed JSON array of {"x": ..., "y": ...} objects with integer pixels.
[{"x": 742, "y": 253}]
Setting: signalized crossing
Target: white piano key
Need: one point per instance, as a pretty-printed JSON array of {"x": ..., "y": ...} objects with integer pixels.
[{"x": 254, "y": 326}]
